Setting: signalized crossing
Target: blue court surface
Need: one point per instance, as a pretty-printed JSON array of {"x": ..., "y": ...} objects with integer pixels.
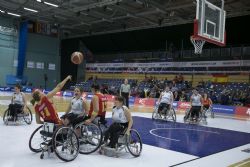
[{"x": 187, "y": 138}]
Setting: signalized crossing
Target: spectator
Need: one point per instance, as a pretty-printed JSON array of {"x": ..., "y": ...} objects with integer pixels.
[
  {"x": 225, "y": 99},
  {"x": 213, "y": 97},
  {"x": 180, "y": 79},
  {"x": 175, "y": 80},
  {"x": 176, "y": 96},
  {"x": 183, "y": 96}
]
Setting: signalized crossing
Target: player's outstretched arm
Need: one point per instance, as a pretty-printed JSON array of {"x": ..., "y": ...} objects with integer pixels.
[{"x": 58, "y": 87}]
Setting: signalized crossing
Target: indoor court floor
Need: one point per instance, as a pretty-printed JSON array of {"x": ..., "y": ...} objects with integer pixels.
[{"x": 220, "y": 143}]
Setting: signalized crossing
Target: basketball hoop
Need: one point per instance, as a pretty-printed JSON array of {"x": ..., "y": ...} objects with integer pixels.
[{"x": 198, "y": 44}]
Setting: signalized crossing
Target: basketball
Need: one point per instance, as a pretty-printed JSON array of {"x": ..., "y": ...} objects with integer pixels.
[{"x": 77, "y": 57}]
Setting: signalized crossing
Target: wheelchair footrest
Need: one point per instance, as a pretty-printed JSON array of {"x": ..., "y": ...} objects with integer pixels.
[{"x": 110, "y": 152}]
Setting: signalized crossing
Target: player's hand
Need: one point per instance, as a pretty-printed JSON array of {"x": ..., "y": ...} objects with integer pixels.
[
  {"x": 127, "y": 132},
  {"x": 87, "y": 122},
  {"x": 69, "y": 77}
]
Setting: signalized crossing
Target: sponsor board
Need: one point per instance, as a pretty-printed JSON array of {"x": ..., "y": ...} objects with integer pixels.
[
  {"x": 183, "y": 106},
  {"x": 110, "y": 98},
  {"x": 144, "y": 102},
  {"x": 175, "y": 105},
  {"x": 89, "y": 96},
  {"x": 242, "y": 111},
  {"x": 68, "y": 93},
  {"x": 224, "y": 109},
  {"x": 131, "y": 101}
]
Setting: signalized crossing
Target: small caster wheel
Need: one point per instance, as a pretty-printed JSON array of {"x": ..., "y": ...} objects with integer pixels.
[{"x": 41, "y": 156}]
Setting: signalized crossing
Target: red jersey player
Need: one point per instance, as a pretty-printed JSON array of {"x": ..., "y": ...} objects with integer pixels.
[
  {"x": 98, "y": 105},
  {"x": 44, "y": 107}
]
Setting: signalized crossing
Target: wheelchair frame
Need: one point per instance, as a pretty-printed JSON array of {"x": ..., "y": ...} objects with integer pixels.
[
  {"x": 61, "y": 140},
  {"x": 169, "y": 116},
  {"x": 124, "y": 143},
  {"x": 202, "y": 117},
  {"x": 26, "y": 117}
]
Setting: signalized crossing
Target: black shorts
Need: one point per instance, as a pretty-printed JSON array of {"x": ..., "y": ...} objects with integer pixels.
[
  {"x": 195, "y": 111},
  {"x": 163, "y": 105},
  {"x": 79, "y": 120},
  {"x": 70, "y": 116},
  {"x": 206, "y": 107},
  {"x": 74, "y": 118}
]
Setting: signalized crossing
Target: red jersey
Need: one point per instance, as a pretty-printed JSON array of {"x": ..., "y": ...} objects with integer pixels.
[
  {"x": 206, "y": 102},
  {"x": 102, "y": 100},
  {"x": 47, "y": 111}
]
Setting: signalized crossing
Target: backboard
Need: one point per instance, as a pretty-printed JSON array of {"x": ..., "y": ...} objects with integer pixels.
[{"x": 209, "y": 24}]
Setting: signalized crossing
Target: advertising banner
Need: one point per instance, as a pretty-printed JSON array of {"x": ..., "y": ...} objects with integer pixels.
[
  {"x": 242, "y": 111},
  {"x": 145, "y": 102},
  {"x": 223, "y": 109}
]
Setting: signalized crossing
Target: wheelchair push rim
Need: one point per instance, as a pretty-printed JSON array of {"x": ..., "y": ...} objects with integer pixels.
[
  {"x": 6, "y": 116},
  {"x": 28, "y": 116},
  {"x": 65, "y": 144},
  {"x": 173, "y": 114},
  {"x": 90, "y": 137},
  {"x": 134, "y": 143},
  {"x": 35, "y": 140}
]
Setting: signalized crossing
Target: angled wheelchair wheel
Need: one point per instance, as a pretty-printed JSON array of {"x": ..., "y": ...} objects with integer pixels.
[
  {"x": 27, "y": 116},
  {"x": 173, "y": 115},
  {"x": 187, "y": 116},
  {"x": 212, "y": 114},
  {"x": 154, "y": 115},
  {"x": 35, "y": 140},
  {"x": 134, "y": 143},
  {"x": 90, "y": 137},
  {"x": 65, "y": 144},
  {"x": 6, "y": 116}
]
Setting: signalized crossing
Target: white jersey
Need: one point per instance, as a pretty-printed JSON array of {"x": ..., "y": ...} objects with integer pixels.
[
  {"x": 77, "y": 106},
  {"x": 196, "y": 100},
  {"x": 166, "y": 97},
  {"x": 118, "y": 115},
  {"x": 18, "y": 98}
]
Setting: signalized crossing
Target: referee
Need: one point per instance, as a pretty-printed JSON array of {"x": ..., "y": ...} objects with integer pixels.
[{"x": 125, "y": 91}]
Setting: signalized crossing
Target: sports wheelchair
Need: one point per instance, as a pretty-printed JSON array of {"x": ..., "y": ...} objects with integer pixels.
[
  {"x": 90, "y": 137},
  {"x": 209, "y": 112},
  {"x": 165, "y": 114},
  {"x": 201, "y": 119},
  {"x": 24, "y": 115},
  {"x": 131, "y": 143},
  {"x": 55, "y": 138}
]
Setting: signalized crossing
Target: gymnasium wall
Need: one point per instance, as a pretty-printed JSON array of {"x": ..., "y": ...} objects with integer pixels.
[
  {"x": 45, "y": 49},
  {"x": 40, "y": 48},
  {"x": 8, "y": 50}
]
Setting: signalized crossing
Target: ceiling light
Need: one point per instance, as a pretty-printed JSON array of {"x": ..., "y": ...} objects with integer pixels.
[
  {"x": 2, "y": 11},
  {"x": 51, "y": 4},
  {"x": 39, "y": 0},
  {"x": 13, "y": 14},
  {"x": 32, "y": 10}
]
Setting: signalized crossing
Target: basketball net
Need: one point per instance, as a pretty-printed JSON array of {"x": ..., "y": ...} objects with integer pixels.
[{"x": 198, "y": 44}]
